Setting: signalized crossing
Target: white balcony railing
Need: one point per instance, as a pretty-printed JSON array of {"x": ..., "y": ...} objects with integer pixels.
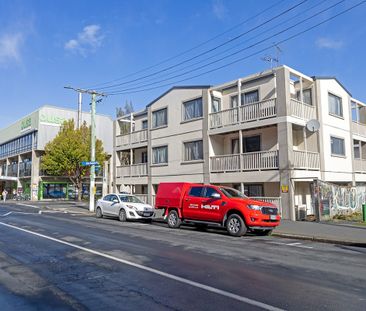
[
  {"x": 252, "y": 161},
  {"x": 134, "y": 170},
  {"x": 246, "y": 113},
  {"x": 301, "y": 110},
  {"x": 306, "y": 160},
  {"x": 131, "y": 138}
]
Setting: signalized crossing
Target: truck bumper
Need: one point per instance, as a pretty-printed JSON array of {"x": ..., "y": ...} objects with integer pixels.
[{"x": 260, "y": 221}]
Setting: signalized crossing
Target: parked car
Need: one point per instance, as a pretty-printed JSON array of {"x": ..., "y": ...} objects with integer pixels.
[
  {"x": 124, "y": 206},
  {"x": 215, "y": 205}
]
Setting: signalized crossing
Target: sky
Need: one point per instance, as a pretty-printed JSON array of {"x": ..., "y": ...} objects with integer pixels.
[{"x": 46, "y": 45}]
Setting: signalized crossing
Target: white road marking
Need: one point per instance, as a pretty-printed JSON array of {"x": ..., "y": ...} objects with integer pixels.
[
  {"x": 155, "y": 271},
  {"x": 296, "y": 244},
  {"x": 6, "y": 214},
  {"x": 23, "y": 213},
  {"x": 29, "y": 205}
]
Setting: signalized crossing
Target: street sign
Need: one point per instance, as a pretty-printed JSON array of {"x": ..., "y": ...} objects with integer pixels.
[{"x": 89, "y": 163}]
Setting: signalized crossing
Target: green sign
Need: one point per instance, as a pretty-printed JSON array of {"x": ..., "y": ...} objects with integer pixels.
[
  {"x": 26, "y": 124},
  {"x": 51, "y": 119}
]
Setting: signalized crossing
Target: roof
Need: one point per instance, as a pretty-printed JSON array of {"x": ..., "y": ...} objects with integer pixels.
[
  {"x": 332, "y": 78},
  {"x": 182, "y": 87}
]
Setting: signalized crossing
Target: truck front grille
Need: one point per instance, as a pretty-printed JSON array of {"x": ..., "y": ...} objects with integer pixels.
[{"x": 268, "y": 210}]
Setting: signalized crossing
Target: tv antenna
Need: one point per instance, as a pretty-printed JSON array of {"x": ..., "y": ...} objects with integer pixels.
[{"x": 271, "y": 59}]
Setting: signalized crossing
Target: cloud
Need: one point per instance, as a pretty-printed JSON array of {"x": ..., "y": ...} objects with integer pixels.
[
  {"x": 86, "y": 41},
  {"x": 10, "y": 45},
  {"x": 328, "y": 43},
  {"x": 219, "y": 9}
]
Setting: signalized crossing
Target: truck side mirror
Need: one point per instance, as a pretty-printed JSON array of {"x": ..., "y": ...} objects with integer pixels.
[{"x": 215, "y": 195}]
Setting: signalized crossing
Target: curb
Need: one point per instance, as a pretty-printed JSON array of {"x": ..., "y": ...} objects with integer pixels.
[{"x": 318, "y": 239}]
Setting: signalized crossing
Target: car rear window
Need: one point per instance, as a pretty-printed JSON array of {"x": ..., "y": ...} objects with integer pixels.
[{"x": 196, "y": 192}]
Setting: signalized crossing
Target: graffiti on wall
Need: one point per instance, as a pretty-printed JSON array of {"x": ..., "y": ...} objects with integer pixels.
[{"x": 336, "y": 200}]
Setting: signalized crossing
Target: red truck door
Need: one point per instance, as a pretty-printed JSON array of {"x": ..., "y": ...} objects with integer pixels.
[
  {"x": 211, "y": 208},
  {"x": 192, "y": 202}
]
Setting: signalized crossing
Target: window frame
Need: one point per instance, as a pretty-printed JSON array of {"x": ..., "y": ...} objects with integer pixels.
[
  {"x": 341, "y": 116},
  {"x": 184, "y": 151},
  {"x": 183, "y": 109},
  {"x": 344, "y": 146},
  {"x": 153, "y": 127},
  {"x": 160, "y": 163}
]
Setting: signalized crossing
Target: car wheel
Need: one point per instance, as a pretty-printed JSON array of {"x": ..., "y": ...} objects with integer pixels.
[
  {"x": 99, "y": 213},
  {"x": 122, "y": 215},
  {"x": 173, "y": 219},
  {"x": 235, "y": 225},
  {"x": 263, "y": 232}
]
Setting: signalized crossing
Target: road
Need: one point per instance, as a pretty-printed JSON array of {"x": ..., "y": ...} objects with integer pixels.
[{"x": 77, "y": 262}]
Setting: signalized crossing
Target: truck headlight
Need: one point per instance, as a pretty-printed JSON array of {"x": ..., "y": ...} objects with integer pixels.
[{"x": 254, "y": 207}]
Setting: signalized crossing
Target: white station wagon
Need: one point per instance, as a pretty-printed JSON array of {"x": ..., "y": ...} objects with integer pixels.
[{"x": 124, "y": 206}]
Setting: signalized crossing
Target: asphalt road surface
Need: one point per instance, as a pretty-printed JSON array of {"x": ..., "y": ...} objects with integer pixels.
[{"x": 56, "y": 261}]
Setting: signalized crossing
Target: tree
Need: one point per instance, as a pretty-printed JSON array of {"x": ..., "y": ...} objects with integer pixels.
[
  {"x": 64, "y": 154},
  {"x": 120, "y": 112}
]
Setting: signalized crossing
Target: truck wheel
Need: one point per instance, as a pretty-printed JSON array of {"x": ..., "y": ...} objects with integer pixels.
[
  {"x": 235, "y": 225},
  {"x": 99, "y": 213},
  {"x": 122, "y": 215},
  {"x": 173, "y": 219},
  {"x": 263, "y": 232}
]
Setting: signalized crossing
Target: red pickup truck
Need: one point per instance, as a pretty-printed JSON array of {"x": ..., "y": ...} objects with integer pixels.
[{"x": 215, "y": 205}]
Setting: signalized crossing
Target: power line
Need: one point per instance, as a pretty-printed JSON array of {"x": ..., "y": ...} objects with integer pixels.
[
  {"x": 253, "y": 54},
  {"x": 190, "y": 49},
  {"x": 239, "y": 51},
  {"x": 210, "y": 50},
  {"x": 230, "y": 55}
]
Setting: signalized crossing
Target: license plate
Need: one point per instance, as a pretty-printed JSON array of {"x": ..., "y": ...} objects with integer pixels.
[
  {"x": 272, "y": 217},
  {"x": 146, "y": 214}
]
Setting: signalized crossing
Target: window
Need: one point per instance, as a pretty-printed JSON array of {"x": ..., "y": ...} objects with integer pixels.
[
  {"x": 144, "y": 157},
  {"x": 335, "y": 105},
  {"x": 306, "y": 94},
  {"x": 235, "y": 146},
  {"x": 249, "y": 97},
  {"x": 216, "y": 104},
  {"x": 196, "y": 192},
  {"x": 144, "y": 124},
  {"x": 234, "y": 101},
  {"x": 337, "y": 146},
  {"x": 254, "y": 190},
  {"x": 192, "y": 109},
  {"x": 210, "y": 191},
  {"x": 252, "y": 143},
  {"x": 355, "y": 112},
  {"x": 356, "y": 149},
  {"x": 160, "y": 155},
  {"x": 159, "y": 118},
  {"x": 193, "y": 150}
]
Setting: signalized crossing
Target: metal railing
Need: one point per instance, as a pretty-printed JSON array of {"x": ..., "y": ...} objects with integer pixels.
[
  {"x": 251, "y": 161},
  {"x": 306, "y": 159},
  {"x": 131, "y": 138},
  {"x": 245, "y": 113},
  {"x": 302, "y": 110}
]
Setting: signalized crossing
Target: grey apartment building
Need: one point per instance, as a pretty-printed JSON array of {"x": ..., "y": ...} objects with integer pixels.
[
  {"x": 22, "y": 146},
  {"x": 252, "y": 133}
]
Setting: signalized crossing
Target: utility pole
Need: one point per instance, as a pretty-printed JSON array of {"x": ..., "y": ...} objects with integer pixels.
[
  {"x": 93, "y": 94},
  {"x": 79, "y": 109}
]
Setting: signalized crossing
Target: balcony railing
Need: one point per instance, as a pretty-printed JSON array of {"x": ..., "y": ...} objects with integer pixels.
[
  {"x": 131, "y": 138},
  {"x": 360, "y": 165},
  {"x": 246, "y": 113},
  {"x": 134, "y": 170},
  {"x": 301, "y": 110},
  {"x": 252, "y": 161},
  {"x": 306, "y": 160}
]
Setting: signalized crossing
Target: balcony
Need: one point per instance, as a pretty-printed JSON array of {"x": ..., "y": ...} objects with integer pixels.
[
  {"x": 360, "y": 165},
  {"x": 253, "y": 161},
  {"x": 131, "y": 138},
  {"x": 301, "y": 110},
  {"x": 246, "y": 113},
  {"x": 134, "y": 170},
  {"x": 306, "y": 160}
]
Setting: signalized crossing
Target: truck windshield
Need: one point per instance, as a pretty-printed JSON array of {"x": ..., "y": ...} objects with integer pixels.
[
  {"x": 232, "y": 193},
  {"x": 129, "y": 199}
]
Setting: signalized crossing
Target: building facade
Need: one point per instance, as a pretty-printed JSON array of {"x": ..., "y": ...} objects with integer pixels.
[
  {"x": 22, "y": 146},
  {"x": 269, "y": 135}
]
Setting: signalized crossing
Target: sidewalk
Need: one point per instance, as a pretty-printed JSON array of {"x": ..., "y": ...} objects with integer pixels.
[
  {"x": 328, "y": 232},
  {"x": 60, "y": 206}
]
